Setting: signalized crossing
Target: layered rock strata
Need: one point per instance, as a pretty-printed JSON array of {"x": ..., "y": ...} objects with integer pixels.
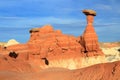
[{"x": 89, "y": 37}]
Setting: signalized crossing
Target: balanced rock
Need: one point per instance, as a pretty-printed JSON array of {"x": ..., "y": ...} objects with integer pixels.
[
  {"x": 89, "y": 12},
  {"x": 89, "y": 37}
]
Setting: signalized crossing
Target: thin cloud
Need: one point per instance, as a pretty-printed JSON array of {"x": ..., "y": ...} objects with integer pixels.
[
  {"x": 27, "y": 21},
  {"x": 115, "y": 5},
  {"x": 103, "y": 7}
]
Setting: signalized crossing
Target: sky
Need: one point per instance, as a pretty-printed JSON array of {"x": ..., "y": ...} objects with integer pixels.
[{"x": 17, "y": 17}]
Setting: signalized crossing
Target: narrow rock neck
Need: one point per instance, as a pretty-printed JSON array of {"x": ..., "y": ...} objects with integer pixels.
[{"x": 90, "y": 19}]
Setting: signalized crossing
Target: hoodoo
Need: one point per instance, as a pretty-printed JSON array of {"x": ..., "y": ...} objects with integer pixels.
[{"x": 89, "y": 37}]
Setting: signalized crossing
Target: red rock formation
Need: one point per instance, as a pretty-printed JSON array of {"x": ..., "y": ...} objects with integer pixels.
[
  {"x": 45, "y": 42},
  {"x": 89, "y": 37},
  {"x": 0, "y": 47}
]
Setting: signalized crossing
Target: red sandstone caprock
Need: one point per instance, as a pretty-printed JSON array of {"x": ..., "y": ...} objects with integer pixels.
[{"x": 89, "y": 36}]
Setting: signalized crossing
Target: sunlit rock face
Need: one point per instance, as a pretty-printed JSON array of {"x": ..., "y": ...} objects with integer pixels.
[
  {"x": 89, "y": 37},
  {"x": 51, "y": 48}
]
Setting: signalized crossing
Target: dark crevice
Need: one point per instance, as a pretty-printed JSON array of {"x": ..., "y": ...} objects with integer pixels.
[
  {"x": 114, "y": 69},
  {"x": 57, "y": 43},
  {"x": 46, "y": 61},
  {"x": 13, "y": 54},
  {"x": 85, "y": 51},
  {"x": 5, "y": 48}
]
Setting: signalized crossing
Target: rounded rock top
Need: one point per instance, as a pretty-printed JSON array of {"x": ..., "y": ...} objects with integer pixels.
[
  {"x": 44, "y": 29},
  {"x": 34, "y": 30},
  {"x": 89, "y": 12}
]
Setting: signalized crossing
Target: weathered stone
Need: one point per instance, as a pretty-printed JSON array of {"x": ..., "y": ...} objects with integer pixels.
[
  {"x": 89, "y": 37},
  {"x": 89, "y": 12},
  {"x": 34, "y": 30}
]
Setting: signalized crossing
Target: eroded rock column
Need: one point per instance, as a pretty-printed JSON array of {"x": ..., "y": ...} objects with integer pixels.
[{"x": 90, "y": 38}]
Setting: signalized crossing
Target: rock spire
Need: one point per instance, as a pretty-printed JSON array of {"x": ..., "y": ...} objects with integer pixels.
[{"x": 90, "y": 38}]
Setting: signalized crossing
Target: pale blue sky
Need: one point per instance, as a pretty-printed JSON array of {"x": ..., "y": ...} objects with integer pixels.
[{"x": 17, "y": 17}]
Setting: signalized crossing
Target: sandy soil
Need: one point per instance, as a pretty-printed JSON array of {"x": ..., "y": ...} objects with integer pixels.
[{"x": 108, "y": 71}]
